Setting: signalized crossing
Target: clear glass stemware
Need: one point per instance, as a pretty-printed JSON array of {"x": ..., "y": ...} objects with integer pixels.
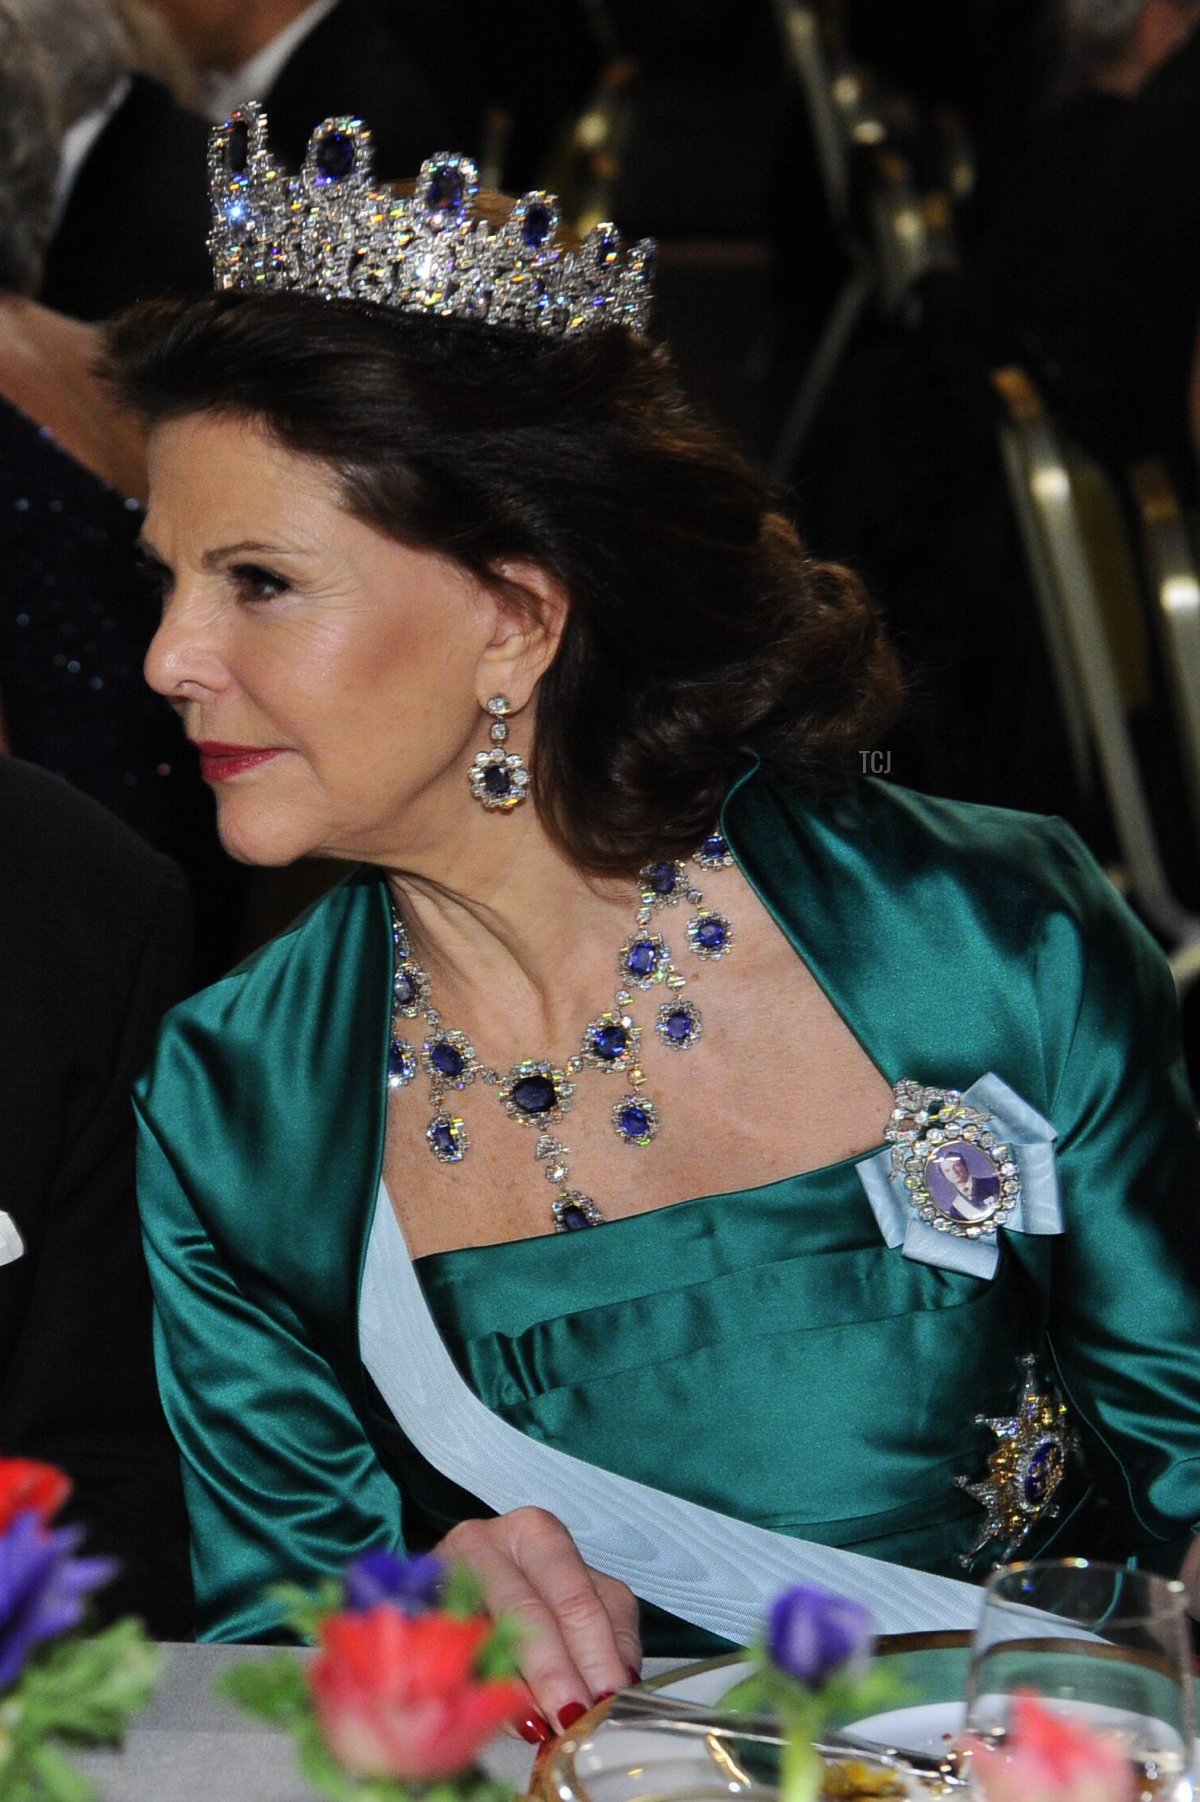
[{"x": 1104, "y": 1644}]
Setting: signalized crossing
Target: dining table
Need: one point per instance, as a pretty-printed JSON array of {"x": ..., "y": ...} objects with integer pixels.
[{"x": 192, "y": 1745}]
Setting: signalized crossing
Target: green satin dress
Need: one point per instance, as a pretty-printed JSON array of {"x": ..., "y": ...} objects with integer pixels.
[{"x": 764, "y": 1352}]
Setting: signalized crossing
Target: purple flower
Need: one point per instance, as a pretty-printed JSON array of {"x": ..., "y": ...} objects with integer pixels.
[
  {"x": 411, "y": 1584},
  {"x": 43, "y": 1589},
  {"x": 813, "y": 1636}
]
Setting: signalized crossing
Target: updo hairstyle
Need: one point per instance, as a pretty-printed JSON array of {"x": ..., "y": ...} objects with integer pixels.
[{"x": 697, "y": 627}]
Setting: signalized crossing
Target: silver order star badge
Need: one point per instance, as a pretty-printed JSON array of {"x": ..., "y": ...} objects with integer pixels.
[{"x": 1025, "y": 1469}]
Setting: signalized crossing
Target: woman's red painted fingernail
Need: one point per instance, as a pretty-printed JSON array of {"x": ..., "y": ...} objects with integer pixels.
[
  {"x": 635, "y": 1676},
  {"x": 534, "y": 1729},
  {"x": 606, "y": 1695},
  {"x": 570, "y": 1713}
]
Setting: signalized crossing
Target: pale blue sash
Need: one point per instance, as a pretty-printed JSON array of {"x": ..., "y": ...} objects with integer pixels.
[{"x": 708, "y": 1568}]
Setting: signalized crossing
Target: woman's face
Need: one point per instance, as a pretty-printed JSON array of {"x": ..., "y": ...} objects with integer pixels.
[{"x": 330, "y": 676}]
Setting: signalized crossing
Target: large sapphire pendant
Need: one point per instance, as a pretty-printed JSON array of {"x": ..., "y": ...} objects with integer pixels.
[
  {"x": 536, "y": 1093},
  {"x": 635, "y": 1119},
  {"x": 610, "y": 1042},
  {"x": 447, "y": 1138},
  {"x": 1026, "y": 1468},
  {"x": 574, "y": 1212}
]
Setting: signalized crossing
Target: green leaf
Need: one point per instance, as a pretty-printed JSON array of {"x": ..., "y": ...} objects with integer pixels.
[
  {"x": 274, "y": 1689},
  {"x": 462, "y": 1593},
  {"x": 497, "y": 1656},
  {"x": 88, "y": 1688},
  {"x": 751, "y": 1696},
  {"x": 305, "y": 1611},
  {"x": 54, "y": 1779}
]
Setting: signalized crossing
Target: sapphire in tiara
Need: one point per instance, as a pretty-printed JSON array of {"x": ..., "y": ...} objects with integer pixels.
[
  {"x": 332, "y": 231},
  {"x": 678, "y": 1024},
  {"x": 335, "y": 156},
  {"x": 237, "y": 153},
  {"x": 709, "y": 934},
  {"x": 447, "y": 188},
  {"x": 537, "y": 225}
]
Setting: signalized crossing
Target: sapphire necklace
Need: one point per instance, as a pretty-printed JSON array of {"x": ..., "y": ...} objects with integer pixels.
[{"x": 538, "y": 1093}]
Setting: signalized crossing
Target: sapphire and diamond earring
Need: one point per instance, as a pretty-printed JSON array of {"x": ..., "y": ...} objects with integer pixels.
[{"x": 499, "y": 779}]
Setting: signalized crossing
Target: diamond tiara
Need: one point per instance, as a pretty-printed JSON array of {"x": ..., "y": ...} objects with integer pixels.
[{"x": 330, "y": 233}]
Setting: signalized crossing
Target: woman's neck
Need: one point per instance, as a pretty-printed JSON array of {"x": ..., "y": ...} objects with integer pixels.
[{"x": 521, "y": 944}]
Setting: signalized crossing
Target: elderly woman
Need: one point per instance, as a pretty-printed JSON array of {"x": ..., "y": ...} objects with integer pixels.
[{"x": 567, "y": 1163}]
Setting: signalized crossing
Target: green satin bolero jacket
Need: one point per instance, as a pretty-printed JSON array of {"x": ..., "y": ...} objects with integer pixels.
[{"x": 954, "y": 941}]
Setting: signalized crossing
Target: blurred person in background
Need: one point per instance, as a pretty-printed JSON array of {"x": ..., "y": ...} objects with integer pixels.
[
  {"x": 503, "y": 84},
  {"x": 1109, "y": 50},
  {"x": 96, "y": 945},
  {"x": 1123, "y": 330},
  {"x": 75, "y": 616},
  {"x": 311, "y": 59},
  {"x": 130, "y": 211}
]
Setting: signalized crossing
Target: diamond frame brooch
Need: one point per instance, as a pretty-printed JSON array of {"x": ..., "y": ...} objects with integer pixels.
[{"x": 930, "y": 1131}]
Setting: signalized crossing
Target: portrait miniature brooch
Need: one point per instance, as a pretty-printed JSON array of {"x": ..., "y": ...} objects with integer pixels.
[{"x": 957, "y": 1166}]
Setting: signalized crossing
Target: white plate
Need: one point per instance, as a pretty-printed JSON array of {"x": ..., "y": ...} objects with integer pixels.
[{"x": 922, "y": 1730}]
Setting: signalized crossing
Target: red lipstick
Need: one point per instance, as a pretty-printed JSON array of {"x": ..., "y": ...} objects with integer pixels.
[{"x": 218, "y": 762}]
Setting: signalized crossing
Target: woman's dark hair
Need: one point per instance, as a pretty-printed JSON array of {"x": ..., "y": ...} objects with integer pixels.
[{"x": 697, "y": 625}]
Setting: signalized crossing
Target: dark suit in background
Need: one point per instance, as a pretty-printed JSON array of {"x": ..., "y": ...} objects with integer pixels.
[
  {"x": 424, "y": 88},
  {"x": 1127, "y": 307},
  {"x": 136, "y": 221},
  {"x": 360, "y": 59},
  {"x": 94, "y": 945}
]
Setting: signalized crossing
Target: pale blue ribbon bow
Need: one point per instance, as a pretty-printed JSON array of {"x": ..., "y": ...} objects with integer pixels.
[{"x": 1039, "y": 1210}]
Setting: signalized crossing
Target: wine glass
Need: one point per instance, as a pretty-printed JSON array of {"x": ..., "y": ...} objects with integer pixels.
[{"x": 1103, "y": 1644}]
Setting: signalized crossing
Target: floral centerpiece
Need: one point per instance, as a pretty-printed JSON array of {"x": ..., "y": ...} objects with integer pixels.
[
  {"x": 410, "y": 1682},
  {"x": 812, "y": 1669},
  {"x": 58, "y": 1686}
]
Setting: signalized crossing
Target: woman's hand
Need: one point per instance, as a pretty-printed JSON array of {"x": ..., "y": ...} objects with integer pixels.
[{"x": 579, "y": 1627}]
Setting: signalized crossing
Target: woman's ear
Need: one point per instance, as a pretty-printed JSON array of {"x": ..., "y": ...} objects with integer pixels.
[{"x": 530, "y": 613}]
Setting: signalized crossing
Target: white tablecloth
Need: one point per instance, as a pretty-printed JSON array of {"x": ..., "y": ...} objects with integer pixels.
[{"x": 190, "y": 1746}]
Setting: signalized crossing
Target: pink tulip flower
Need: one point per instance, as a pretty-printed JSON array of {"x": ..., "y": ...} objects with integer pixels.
[{"x": 1048, "y": 1757}]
